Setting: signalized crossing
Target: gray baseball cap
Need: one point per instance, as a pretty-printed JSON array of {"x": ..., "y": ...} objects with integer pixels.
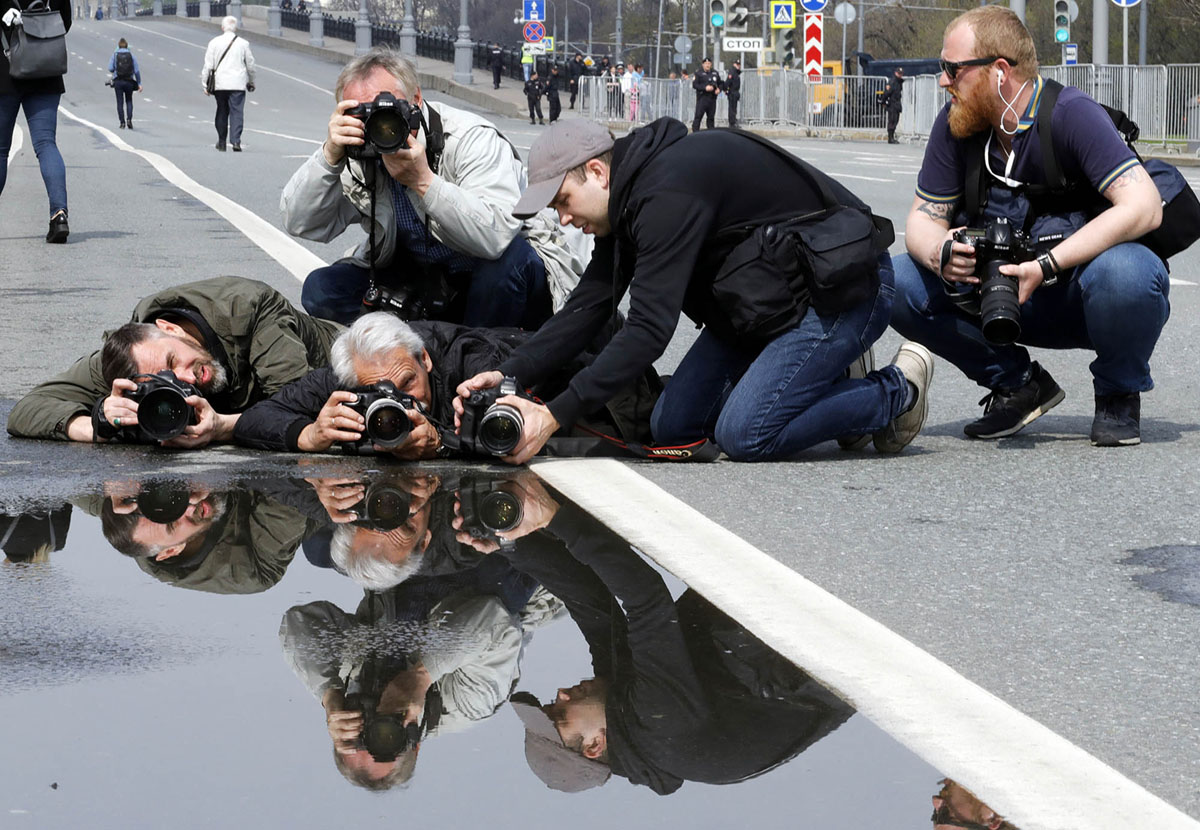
[
  {"x": 559, "y": 768},
  {"x": 563, "y": 147}
]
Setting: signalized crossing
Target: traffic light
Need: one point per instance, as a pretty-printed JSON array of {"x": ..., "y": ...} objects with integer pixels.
[
  {"x": 1062, "y": 21},
  {"x": 785, "y": 48},
  {"x": 739, "y": 19},
  {"x": 716, "y": 13}
]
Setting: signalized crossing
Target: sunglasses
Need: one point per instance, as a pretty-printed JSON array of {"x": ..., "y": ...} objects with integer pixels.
[{"x": 951, "y": 67}]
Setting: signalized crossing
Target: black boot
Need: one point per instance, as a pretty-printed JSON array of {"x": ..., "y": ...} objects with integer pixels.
[
  {"x": 221, "y": 146},
  {"x": 59, "y": 231}
]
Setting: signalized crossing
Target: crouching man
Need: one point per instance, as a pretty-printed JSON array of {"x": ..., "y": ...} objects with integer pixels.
[{"x": 767, "y": 377}]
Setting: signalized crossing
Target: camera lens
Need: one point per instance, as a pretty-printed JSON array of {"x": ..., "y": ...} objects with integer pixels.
[
  {"x": 500, "y": 511},
  {"x": 386, "y": 508},
  {"x": 385, "y": 737},
  {"x": 500, "y": 429},
  {"x": 387, "y": 423},
  {"x": 162, "y": 502},
  {"x": 999, "y": 307},
  {"x": 387, "y": 130},
  {"x": 163, "y": 414}
]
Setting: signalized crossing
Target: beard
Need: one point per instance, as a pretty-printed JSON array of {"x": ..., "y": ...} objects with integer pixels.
[
  {"x": 970, "y": 111},
  {"x": 219, "y": 378}
]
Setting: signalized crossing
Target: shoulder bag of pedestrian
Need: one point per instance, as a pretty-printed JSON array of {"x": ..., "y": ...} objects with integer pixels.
[
  {"x": 210, "y": 83},
  {"x": 37, "y": 47}
]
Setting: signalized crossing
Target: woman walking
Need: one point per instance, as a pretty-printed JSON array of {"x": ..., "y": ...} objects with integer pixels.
[{"x": 38, "y": 98}]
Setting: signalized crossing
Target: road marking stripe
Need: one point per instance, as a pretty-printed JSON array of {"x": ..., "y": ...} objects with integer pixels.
[
  {"x": 285, "y": 135},
  {"x": 1033, "y": 776},
  {"x": 289, "y": 253},
  {"x": 864, "y": 178}
]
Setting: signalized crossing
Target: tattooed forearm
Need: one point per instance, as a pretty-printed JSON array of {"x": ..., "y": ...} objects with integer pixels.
[
  {"x": 940, "y": 211},
  {"x": 1130, "y": 177}
]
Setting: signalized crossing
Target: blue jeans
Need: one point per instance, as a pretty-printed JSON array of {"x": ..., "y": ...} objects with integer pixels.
[
  {"x": 771, "y": 403},
  {"x": 124, "y": 90},
  {"x": 1116, "y": 306},
  {"x": 509, "y": 291},
  {"x": 230, "y": 105},
  {"x": 41, "y": 114}
]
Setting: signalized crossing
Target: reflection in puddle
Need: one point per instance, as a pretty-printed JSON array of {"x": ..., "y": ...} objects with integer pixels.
[{"x": 419, "y": 604}]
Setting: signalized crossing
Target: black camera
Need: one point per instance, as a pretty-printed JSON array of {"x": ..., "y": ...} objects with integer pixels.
[
  {"x": 487, "y": 509},
  {"x": 424, "y": 297},
  {"x": 383, "y": 507},
  {"x": 163, "y": 413},
  {"x": 996, "y": 244},
  {"x": 163, "y": 502},
  {"x": 490, "y": 428},
  {"x": 385, "y": 736},
  {"x": 385, "y": 411},
  {"x": 388, "y": 121}
]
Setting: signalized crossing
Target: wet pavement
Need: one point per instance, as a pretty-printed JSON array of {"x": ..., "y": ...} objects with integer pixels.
[{"x": 193, "y": 649}]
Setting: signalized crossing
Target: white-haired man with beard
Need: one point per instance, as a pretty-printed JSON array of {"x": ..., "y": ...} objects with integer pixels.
[{"x": 1090, "y": 283}]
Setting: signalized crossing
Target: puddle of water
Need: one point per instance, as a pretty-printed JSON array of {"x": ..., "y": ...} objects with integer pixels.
[{"x": 227, "y": 662}]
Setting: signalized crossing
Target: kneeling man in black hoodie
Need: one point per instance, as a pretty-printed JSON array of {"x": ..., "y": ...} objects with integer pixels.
[{"x": 786, "y": 270}]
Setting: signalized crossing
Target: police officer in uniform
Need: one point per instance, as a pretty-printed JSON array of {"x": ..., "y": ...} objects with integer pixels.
[
  {"x": 733, "y": 91},
  {"x": 707, "y": 84},
  {"x": 553, "y": 85},
  {"x": 497, "y": 65},
  {"x": 535, "y": 88},
  {"x": 893, "y": 100}
]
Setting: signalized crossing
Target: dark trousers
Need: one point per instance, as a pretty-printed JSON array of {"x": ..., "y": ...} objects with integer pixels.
[
  {"x": 496, "y": 77},
  {"x": 509, "y": 291},
  {"x": 893, "y": 120},
  {"x": 734, "y": 98},
  {"x": 574, "y": 92},
  {"x": 230, "y": 107},
  {"x": 706, "y": 106},
  {"x": 555, "y": 106},
  {"x": 124, "y": 90},
  {"x": 535, "y": 105}
]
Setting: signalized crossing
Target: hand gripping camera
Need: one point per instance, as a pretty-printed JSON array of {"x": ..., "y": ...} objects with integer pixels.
[
  {"x": 387, "y": 121},
  {"x": 490, "y": 428},
  {"x": 385, "y": 736},
  {"x": 998, "y": 243},
  {"x": 385, "y": 411},
  {"x": 487, "y": 509},
  {"x": 163, "y": 411}
]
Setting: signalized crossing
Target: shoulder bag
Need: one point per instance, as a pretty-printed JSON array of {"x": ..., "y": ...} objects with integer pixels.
[
  {"x": 37, "y": 47},
  {"x": 210, "y": 83}
]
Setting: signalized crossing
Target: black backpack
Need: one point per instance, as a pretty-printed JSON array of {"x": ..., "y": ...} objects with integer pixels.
[
  {"x": 125, "y": 66},
  {"x": 1180, "y": 225}
]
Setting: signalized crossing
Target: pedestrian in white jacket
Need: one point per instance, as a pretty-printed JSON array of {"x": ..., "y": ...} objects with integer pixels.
[
  {"x": 446, "y": 245},
  {"x": 227, "y": 75}
]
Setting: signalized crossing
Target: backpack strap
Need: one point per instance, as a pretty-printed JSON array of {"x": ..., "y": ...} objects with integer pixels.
[{"x": 1056, "y": 180}]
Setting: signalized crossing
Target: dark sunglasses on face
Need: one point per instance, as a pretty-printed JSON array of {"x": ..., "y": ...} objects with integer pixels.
[{"x": 951, "y": 67}]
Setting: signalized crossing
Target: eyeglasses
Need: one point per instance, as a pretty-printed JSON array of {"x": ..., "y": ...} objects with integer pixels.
[{"x": 951, "y": 67}]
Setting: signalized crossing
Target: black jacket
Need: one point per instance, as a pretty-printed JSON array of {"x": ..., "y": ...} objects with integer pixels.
[
  {"x": 38, "y": 86},
  {"x": 497, "y": 60},
  {"x": 733, "y": 83},
  {"x": 692, "y": 695},
  {"x": 672, "y": 229},
  {"x": 702, "y": 79},
  {"x": 893, "y": 98},
  {"x": 534, "y": 89},
  {"x": 575, "y": 69},
  {"x": 553, "y": 84}
]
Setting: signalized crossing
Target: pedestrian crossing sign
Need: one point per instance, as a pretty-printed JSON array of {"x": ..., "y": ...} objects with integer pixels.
[{"x": 783, "y": 14}]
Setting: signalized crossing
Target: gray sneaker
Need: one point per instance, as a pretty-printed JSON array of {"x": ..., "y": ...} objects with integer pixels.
[
  {"x": 858, "y": 369},
  {"x": 916, "y": 363}
]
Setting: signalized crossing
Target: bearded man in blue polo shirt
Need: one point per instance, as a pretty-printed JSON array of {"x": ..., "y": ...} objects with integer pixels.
[{"x": 1085, "y": 283}]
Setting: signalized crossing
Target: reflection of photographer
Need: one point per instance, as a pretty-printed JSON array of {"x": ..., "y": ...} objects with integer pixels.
[
  {"x": 433, "y": 191},
  {"x": 492, "y": 514},
  {"x": 424, "y": 361},
  {"x": 430, "y": 657}
]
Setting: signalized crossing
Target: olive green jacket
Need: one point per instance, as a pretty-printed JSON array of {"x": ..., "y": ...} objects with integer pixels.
[{"x": 266, "y": 343}]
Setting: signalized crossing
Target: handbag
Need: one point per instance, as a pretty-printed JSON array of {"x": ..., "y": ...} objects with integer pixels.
[
  {"x": 37, "y": 47},
  {"x": 210, "y": 83}
]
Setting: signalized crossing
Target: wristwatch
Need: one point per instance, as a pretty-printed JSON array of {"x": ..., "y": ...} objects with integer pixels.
[{"x": 1049, "y": 268}]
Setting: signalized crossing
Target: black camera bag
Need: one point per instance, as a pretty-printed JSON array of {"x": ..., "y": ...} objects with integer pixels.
[{"x": 828, "y": 258}]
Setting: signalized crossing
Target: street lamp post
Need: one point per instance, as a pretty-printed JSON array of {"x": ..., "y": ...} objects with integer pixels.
[
  {"x": 316, "y": 26},
  {"x": 589, "y": 11},
  {"x": 462, "y": 48},
  {"x": 274, "y": 19},
  {"x": 620, "y": 38},
  {"x": 408, "y": 32},
  {"x": 362, "y": 30}
]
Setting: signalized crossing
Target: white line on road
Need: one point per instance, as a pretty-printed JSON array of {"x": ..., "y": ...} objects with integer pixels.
[
  {"x": 1009, "y": 760},
  {"x": 285, "y": 135},
  {"x": 293, "y": 256},
  {"x": 864, "y": 178}
]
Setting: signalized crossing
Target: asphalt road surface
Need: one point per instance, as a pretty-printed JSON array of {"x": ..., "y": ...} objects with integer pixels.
[{"x": 1062, "y": 578}]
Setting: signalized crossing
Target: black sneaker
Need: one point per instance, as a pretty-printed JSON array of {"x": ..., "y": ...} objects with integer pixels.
[
  {"x": 1007, "y": 413},
  {"x": 59, "y": 231},
  {"x": 1118, "y": 421}
]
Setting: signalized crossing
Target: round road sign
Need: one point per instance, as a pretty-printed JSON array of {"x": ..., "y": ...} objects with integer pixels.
[{"x": 534, "y": 31}]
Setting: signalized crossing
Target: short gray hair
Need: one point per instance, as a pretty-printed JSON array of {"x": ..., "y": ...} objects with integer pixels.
[
  {"x": 385, "y": 58},
  {"x": 371, "y": 337},
  {"x": 372, "y": 573},
  {"x": 229, "y": 24}
]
